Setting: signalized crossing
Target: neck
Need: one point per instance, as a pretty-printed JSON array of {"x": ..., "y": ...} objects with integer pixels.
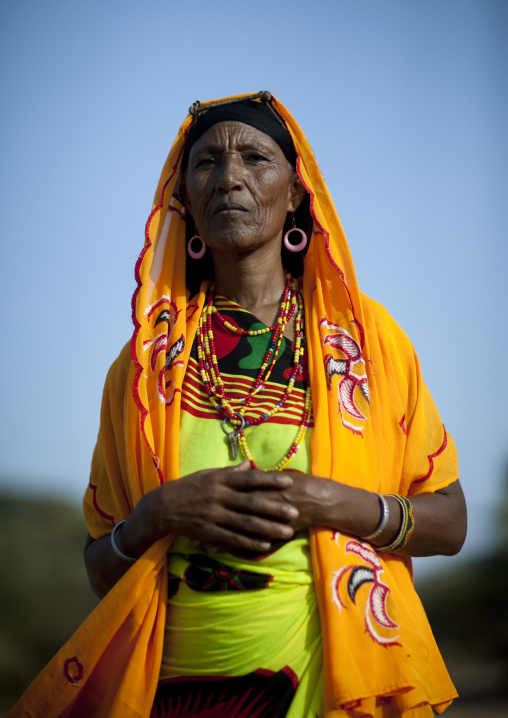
[{"x": 254, "y": 280}]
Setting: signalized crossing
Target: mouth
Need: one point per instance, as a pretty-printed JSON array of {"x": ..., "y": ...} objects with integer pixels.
[{"x": 229, "y": 209}]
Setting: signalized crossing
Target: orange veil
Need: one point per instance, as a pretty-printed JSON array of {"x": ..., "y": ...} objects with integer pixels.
[{"x": 375, "y": 426}]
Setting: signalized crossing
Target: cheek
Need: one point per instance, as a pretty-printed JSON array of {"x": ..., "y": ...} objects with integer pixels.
[
  {"x": 195, "y": 197},
  {"x": 274, "y": 197}
]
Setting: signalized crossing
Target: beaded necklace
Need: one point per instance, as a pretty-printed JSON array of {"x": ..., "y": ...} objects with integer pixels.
[{"x": 234, "y": 412}]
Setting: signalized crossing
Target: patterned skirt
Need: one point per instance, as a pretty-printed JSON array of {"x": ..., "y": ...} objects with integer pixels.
[{"x": 243, "y": 636}]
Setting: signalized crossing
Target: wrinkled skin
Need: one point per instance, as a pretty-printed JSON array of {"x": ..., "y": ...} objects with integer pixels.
[{"x": 238, "y": 188}]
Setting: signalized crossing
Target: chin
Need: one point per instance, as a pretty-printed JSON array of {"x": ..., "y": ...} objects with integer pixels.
[{"x": 234, "y": 240}]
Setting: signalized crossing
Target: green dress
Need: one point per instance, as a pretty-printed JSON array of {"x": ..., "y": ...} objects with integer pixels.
[{"x": 243, "y": 635}]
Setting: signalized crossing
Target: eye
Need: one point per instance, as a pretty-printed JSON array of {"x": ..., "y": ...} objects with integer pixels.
[
  {"x": 204, "y": 162},
  {"x": 255, "y": 157}
]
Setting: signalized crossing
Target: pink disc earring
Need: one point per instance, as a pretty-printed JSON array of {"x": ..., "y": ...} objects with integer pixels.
[
  {"x": 295, "y": 247},
  {"x": 201, "y": 251}
]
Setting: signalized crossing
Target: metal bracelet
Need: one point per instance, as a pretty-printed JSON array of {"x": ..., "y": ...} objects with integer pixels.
[
  {"x": 115, "y": 547},
  {"x": 406, "y": 526},
  {"x": 385, "y": 513}
]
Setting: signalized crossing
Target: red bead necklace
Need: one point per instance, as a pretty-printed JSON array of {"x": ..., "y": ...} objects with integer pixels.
[{"x": 234, "y": 412}]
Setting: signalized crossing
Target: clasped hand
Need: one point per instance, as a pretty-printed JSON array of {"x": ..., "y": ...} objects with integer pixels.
[{"x": 233, "y": 508}]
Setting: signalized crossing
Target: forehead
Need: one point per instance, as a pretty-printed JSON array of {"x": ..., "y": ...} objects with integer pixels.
[{"x": 234, "y": 135}]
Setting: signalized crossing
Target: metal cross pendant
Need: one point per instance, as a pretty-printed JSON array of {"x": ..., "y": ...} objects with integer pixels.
[
  {"x": 234, "y": 435},
  {"x": 233, "y": 440}
]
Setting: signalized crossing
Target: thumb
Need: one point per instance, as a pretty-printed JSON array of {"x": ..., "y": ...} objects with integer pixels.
[{"x": 242, "y": 466}]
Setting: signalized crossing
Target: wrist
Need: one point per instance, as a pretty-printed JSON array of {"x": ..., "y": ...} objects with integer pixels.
[
  {"x": 407, "y": 523},
  {"x": 357, "y": 512},
  {"x": 132, "y": 538},
  {"x": 383, "y": 519},
  {"x": 351, "y": 510},
  {"x": 144, "y": 526},
  {"x": 392, "y": 526},
  {"x": 117, "y": 545}
]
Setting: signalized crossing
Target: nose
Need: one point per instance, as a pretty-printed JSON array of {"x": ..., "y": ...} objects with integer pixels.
[{"x": 229, "y": 174}]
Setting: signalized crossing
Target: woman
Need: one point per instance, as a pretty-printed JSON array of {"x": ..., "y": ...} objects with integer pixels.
[{"x": 294, "y": 417}]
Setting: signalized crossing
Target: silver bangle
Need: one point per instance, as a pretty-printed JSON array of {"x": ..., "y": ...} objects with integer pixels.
[
  {"x": 115, "y": 547},
  {"x": 385, "y": 513}
]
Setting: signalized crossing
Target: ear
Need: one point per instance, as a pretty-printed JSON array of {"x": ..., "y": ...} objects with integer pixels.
[{"x": 296, "y": 193}]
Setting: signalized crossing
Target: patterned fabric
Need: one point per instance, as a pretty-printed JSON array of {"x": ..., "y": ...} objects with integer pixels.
[
  {"x": 239, "y": 360},
  {"x": 375, "y": 427},
  {"x": 262, "y": 694},
  {"x": 235, "y": 616}
]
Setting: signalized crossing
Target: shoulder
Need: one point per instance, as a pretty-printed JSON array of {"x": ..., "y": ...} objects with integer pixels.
[
  {"x": 390, "y": 351},
  {"x": 378, "y": 316},
  {"x": 118, "y": 374},
  {"x": 390, "y": 335}
]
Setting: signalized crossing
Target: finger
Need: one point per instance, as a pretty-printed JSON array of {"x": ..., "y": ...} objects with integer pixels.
[
  {"x": 262, "y": 503},
  {"x": 221, "y": 539},
  {"x": 237, "y": 541},
  {"x": 251, "y": 480},
  {"x": 242, "y": 466},
  {"x": 247, "y": 524},
  {"x": 220, "y": 548}
]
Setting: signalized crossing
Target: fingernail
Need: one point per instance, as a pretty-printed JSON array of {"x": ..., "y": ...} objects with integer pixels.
[
  {"x": 214, "y": 549},
  {"x": 195, "y": 542},
  {"x": 292, "y": 512}
]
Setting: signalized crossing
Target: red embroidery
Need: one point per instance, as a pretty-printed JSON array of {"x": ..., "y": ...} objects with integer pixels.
[
  {"x": 174, "y": 352},
  {"x": 376, "y": 614},
  {"x": 351, "y": 706},
  {"x": 169, "y": 315},
  {"x": 170, "y": 385},
  {"x": 335, "y": 537},
  {"x": 153, "y": 307},
  {"x": 159, "y": 344},
  {"x": 431, "y": 458},
  {"x": 96, "y": 506},
  {"x": 137, "y": 274},
  {"x": 402, "y": 424},
  {"x": 342, "y": 341},
  {"x": 73, "y": 670},
  {"x": 191, "y": 310}
]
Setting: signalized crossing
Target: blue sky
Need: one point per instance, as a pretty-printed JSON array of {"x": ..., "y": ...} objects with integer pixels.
[{"x": 405, "y": 105}]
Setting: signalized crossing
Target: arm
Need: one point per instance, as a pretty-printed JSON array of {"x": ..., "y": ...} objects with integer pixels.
[
  {"x": 440, "y": 517},
  {"x": 235, "y": 507},
  {"x": 240, "y": 508}
]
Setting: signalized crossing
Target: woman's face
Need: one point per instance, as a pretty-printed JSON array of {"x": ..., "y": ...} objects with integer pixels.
[{"x": 239, "y": 187}]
